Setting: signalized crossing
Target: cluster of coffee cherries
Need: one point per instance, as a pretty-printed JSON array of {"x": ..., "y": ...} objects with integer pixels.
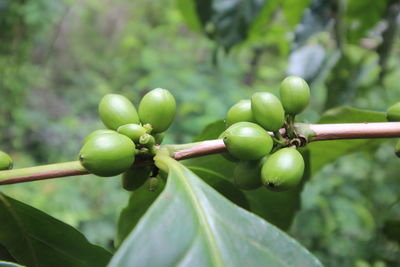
[
  {"x": 254, "y": 132},
  {"x": 393, "y": 115},
  {"x": 130, "y": 137}
]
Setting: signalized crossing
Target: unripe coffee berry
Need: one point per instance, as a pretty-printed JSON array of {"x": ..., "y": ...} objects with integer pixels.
[
  {"x": 158, "y": 109},
  {"x": 283, "y": 170},
  {"x": 97, "y": 133},
  {"x": 6, "y": 163},
  {"x": 226, "y": 155},
  {"x": 134, "y": 178},
  {"x": 295, "y": 94},
  {"x": 247, "y": 141},
  {"x": 133, "y": 131},
  {"x": 107, "y": 154},
  {"x": 116, "y": 110},
  {"x": 268, "y": 111},
  {"x": 247, "y": 174},
  {"x": 393, "y": 112},
  {"x": 241, "y": 111}
]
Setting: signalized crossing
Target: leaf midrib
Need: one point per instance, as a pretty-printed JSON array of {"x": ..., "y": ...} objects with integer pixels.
[{"x": 202, "y": 216}]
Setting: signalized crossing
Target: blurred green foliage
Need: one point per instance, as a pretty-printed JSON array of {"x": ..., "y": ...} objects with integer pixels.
[{"x": 58, "y": 58}]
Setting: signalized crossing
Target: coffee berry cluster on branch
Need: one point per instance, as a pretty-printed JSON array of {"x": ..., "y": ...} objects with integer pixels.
[
  {"x": 131, "y": 135},
  {"x": 260, "y": 138},
  {"x": 248, "y": 141}
]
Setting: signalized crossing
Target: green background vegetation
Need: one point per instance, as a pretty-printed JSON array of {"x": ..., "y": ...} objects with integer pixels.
[{"x": 58, "y": 58}]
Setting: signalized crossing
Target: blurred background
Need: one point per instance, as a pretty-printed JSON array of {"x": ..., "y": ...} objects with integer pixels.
[{"x": 58, "y": 58}]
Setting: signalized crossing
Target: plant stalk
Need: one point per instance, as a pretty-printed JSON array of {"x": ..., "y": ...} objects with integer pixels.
[
  {"x": 41, "y": 172},
  {"x": 365, "y": 130},
  {"x": 312, "y": 132}
]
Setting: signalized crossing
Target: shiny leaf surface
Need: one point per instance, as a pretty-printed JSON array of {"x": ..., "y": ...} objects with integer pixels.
[
  {"x": 34, "y": 238},
  {"x": 190, "y": 224}
]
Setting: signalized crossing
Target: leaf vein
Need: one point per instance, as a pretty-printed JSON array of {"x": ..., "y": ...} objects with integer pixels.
[{"x": 202, "y": 217}]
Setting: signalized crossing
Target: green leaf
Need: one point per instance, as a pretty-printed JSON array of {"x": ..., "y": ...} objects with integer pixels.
[
  {"x": 227, "y": 22},
  {"x": 34, "y": 238},
  {"x": 188, "y": 11},
  {"x": 191, "y": 224},
  {"x": 217, "y": 173},
  {"x": 262, "y": 201},
  {"x": 259, "y": 26},
  {"x": 9, "y": 264},
  {"x": 139, "y": 202},
  {"x": 323, "y": 152},
  {"x": 351, "y": 115},
  {"x": 211, "y": 131},
  {"x": 293, "y": 10}
]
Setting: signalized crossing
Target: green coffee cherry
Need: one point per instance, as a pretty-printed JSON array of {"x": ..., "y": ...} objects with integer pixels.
[
  {"x": 6, "y": 163},
  {"x": 226, "y": 155},
  {"x": 268, "y": 111},
  {"x": 283, "y": 170},
  {"x": 397, "y": 148},
  {"x": 159, "y": 138},
  {"x": 157, "y": 108},
  {"x": 116, "y": 110},
  {"x": 241, "y": 111},
  {"x": 295, "y": 94},
  {"x": 247, "y": 141},
  {"x": 133, "y": 131},
  {"x": 134, "y": 178},
  {"x": 247, "y": 174},
  {"x": 393, "y": 113},
  {"x": 97, "y": 133},
  {"x": 107, "y": 154}
]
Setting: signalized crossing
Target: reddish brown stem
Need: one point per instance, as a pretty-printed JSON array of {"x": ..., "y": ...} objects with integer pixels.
[
  {"x": 43, "y": 176},
  {"x": 202, "y": 149},
  {"x": 355, "y": 130},
  {"x": 315, "y": 132}
]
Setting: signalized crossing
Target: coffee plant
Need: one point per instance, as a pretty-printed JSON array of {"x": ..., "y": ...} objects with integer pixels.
[
  {"x": 240, "y": 192},
  {"x": 194, "y": 204}
]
